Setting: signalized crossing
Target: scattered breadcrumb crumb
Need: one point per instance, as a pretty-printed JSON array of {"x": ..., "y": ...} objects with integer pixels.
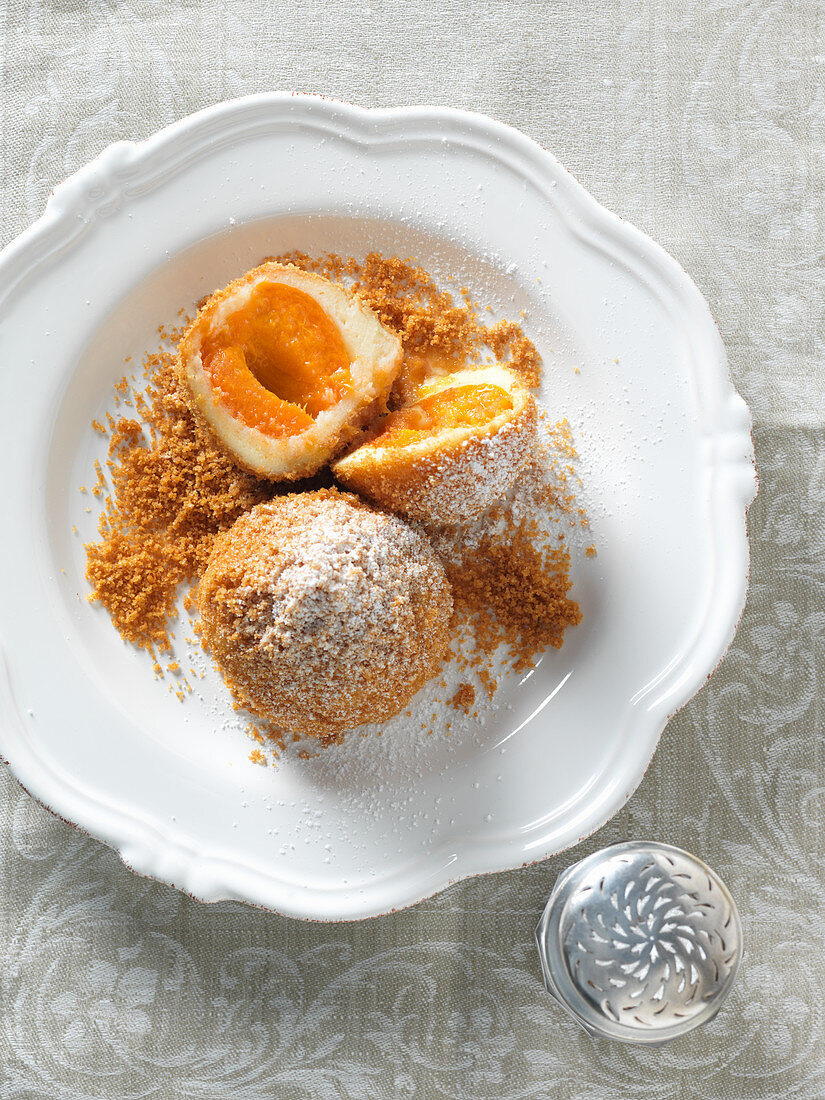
[
  {"x": 464, "y": 697},
  {"x": 173, "y": 491}
]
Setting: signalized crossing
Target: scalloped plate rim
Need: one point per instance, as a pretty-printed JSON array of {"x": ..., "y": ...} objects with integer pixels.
[{"x": 139, "y": 842}]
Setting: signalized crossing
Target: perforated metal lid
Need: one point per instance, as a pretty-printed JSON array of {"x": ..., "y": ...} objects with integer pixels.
[{"x": 640, "y": 942}]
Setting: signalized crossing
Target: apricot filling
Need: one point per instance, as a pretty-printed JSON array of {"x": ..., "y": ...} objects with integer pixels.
[
  {"x": 278, "y": 361},
  {"x": 457, "y": 407}
]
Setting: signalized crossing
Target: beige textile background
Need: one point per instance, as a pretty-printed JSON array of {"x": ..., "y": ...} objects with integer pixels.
[{"x": 702, "y": 121}]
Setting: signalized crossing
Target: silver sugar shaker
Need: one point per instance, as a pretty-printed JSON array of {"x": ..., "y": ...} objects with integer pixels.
[{"x": 639, "y": 942}]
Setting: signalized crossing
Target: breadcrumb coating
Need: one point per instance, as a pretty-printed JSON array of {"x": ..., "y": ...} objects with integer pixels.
[
  {"x": 453, "y": 474},
  {"x": 323, "y": 613}
]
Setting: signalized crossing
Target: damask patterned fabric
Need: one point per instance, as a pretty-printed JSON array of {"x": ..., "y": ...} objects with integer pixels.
[{"x": 702, "y": 121}]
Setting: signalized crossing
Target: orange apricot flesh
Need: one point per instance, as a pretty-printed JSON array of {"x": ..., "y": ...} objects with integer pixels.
[
  {"x": 457, "y": 407},
  {"x": 278, "y": 361}
]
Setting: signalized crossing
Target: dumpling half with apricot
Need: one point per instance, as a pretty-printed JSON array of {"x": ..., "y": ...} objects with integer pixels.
[
  {"x": 286, "y": 367},
  {"x": 455, "y": 446}
]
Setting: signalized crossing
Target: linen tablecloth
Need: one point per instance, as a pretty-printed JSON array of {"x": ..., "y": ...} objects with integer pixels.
[{"x": 702, "y": 121}]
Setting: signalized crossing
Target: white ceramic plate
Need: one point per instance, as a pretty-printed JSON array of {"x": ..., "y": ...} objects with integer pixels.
[{"x": 666, "y": 463}]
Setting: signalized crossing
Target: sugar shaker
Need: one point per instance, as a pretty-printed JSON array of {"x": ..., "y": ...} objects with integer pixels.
[{"x": 640, "y": 942}]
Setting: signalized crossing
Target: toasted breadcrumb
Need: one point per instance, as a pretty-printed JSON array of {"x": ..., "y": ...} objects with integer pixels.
[
  {"x": 173, "y": 491},
  {"x": 323, "y": 613},
  {"x": 515, "y": 594},
  {"x": 464, "y": 697}
]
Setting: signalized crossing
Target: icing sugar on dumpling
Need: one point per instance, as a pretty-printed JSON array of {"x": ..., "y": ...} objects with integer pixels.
[
  {"x": 455, "y": 447},
  {"x": 323, "y": 613}
]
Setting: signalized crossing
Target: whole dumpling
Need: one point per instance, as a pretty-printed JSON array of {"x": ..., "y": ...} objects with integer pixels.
[{"x": 324, "y": 613}]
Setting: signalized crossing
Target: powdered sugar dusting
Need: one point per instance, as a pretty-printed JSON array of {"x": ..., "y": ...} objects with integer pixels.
[{"x": 324, "y": 613}]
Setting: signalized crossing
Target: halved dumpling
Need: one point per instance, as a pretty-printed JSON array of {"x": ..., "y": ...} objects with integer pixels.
[
  {"x": 452, "y": 451},
  {"x": 286, "y": 367}
]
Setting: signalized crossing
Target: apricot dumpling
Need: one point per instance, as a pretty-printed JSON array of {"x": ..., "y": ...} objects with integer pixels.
[
  {"x": 286, "y": 367},
  {"x": 324, "y": 613},
  {"x": 454, "y": 448}
]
